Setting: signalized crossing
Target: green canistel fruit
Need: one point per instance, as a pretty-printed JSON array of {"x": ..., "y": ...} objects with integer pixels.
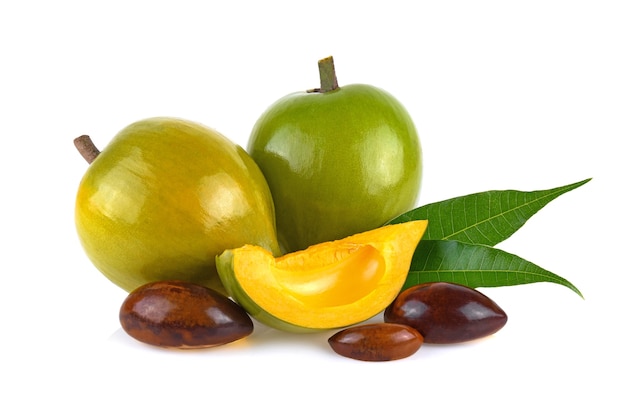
[
  {"x": 339, "y": 160},
  {"x": 166, "y": 196}
]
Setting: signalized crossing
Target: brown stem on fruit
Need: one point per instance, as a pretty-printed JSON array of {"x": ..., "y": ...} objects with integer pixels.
[
  {"x": 328, "y": 78},
  {"x": 86, "y": 148}
]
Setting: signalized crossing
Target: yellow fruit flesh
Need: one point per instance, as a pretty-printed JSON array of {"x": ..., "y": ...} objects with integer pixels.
[
  {"x": 351, "y": 272},
  {"x": 325, "y": 286}
]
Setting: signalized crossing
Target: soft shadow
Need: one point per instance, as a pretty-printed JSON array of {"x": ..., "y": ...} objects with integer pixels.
[
  {"x": 120, "y": 337},
  {"x": 265, "y": 336}
]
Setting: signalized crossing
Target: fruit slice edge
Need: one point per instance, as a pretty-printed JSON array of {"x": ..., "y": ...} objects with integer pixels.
[{"x": 325, "y": 286}]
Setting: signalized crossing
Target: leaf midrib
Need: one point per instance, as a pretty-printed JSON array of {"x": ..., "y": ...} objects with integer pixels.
[{"x": 501, "y": 214}]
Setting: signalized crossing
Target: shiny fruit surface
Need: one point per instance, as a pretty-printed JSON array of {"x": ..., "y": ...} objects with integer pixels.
[
  {"x": 338, "y": 162},
  {"x": 376, "y": 342},
  {"x": 328, "y": 285},
  {"x": 446, "y": 313},
  {"x": 182, "y": 315},
  {"x": 166, "y": 196}
]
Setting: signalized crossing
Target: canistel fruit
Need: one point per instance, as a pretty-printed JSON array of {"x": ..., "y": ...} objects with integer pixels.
[
  {"x": 328, "y": 285},
  {"x": 338, "y": 160},
  {"x": 164, "y": 198}
]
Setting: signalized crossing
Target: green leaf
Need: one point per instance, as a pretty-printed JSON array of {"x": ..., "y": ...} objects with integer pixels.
[
  {"x": 482, "y": 218},
  {"x": 474, "y": 265}
]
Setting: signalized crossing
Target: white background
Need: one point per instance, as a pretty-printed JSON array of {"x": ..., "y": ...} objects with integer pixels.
[{"x": 506, "y": 95}]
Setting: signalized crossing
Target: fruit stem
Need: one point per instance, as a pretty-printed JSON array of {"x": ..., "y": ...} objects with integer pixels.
[
  {"x": 86, "y": 148},
  {"x": 328, "y": 77}
]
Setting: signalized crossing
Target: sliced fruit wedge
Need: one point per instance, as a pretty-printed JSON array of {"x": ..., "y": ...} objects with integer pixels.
[{"x": 326, "y": 286}]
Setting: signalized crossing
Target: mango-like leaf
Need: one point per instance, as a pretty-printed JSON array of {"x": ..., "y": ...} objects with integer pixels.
[
  {"x": 474, "y": 265},
  {"x": 482, "y": 218}
]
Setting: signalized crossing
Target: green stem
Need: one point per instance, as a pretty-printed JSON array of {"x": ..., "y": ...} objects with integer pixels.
[
  {"x": 86, "y": 148},
  {"x": 328, "y": 78}
]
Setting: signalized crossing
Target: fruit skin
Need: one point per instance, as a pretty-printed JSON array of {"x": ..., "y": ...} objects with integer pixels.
[
  {"x": 166, "y": 196},
  {"x": 446, "y": 313},
  {"x": 326, "y": 286},
  {"x": 376, "y": 342},
  {"x": 182, "y": 315},
  {"x": 338, "y": 162}
]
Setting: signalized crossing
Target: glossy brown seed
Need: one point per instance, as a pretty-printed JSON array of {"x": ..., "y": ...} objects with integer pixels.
[
  {"x": 176, "y": 314},
  {"x": 376, "y": 342},
  {"x": 446, "y": 313}
]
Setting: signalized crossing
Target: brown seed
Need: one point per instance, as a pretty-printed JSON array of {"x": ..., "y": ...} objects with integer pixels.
[
  {"x": 376, "y": 342},
  {"x": 446, "y": 313},
  {"x": 178, "y": 314}
]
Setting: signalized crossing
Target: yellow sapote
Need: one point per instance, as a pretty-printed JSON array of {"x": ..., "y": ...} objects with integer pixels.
[
  {"x": 326, "y": 286},
  {"x": 164, "y": 198}
]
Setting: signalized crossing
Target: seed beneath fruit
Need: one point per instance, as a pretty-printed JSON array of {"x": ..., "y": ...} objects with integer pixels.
[
  {"x": 446, "y": 313},
  {"x": 376, "y": 342},
  {"x": 177, "y": 314}
]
